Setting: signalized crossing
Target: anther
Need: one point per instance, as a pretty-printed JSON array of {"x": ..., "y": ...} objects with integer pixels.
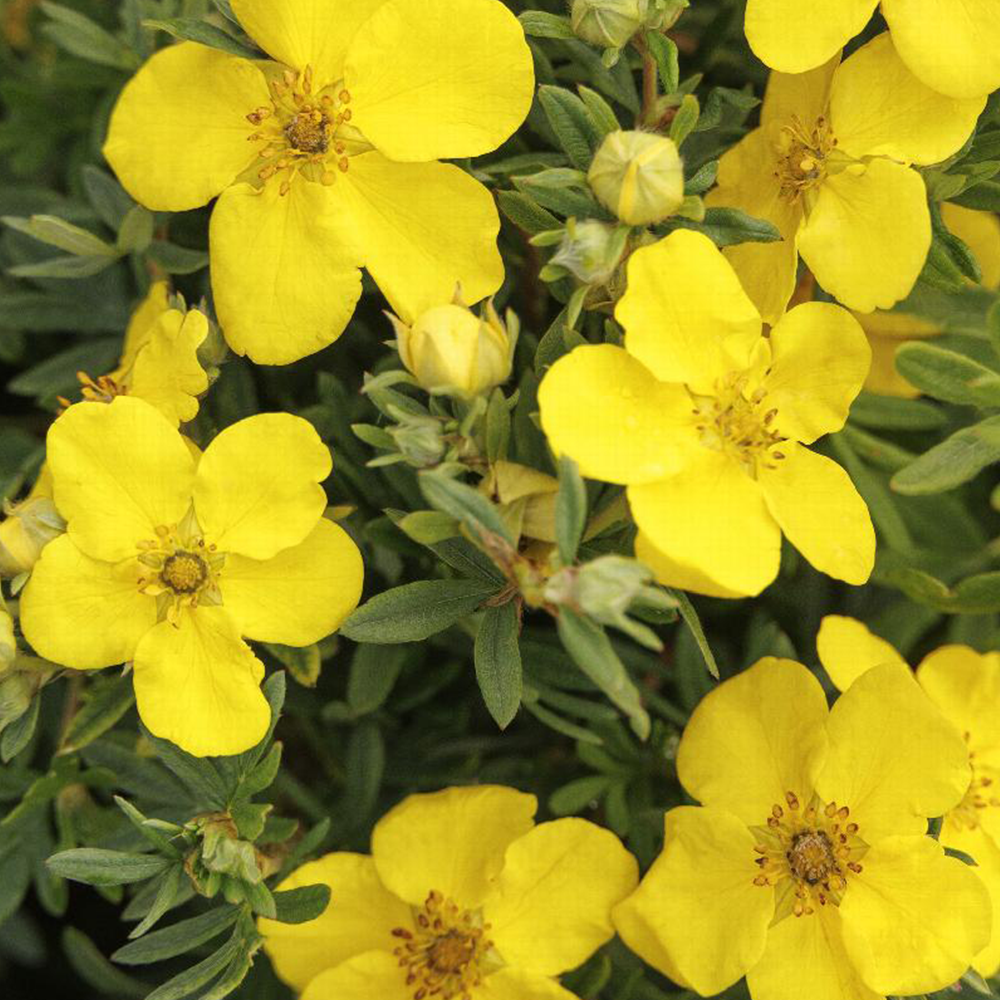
[{"x": 777, "y": 812}]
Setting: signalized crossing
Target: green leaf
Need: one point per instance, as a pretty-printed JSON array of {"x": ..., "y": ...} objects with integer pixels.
[
  {"x": 175, "y": 259},
  {"x": 571, "y": 510},
  {"x": 374, "y": 671},
  {"x": 18, "y": 733},
  {"x": 58, "y": 233},
  {"x": 298, "y": 906},
  {"x": 81, "y": 37},
  {"x": 727, "y": 227},
  {"x": 192, "y": 979},
  {"x": 954, "y": 461},
  {"x": 364, "y": 765},
  {"x": 199, "y": 774},
  {"x": 578, "y": 794},
  {"x": 62, "y": 267},
  {"x": 498, "y": 424},
  {"x": 576, "y": 131},
  {"x": 693, "y": 623},
  {"x": 593, "y": 653},
  {"x": 978, "y": 594},
  {"x": 685, "y": 119},
  {"x": 664, "y": 51},
  {"x": 177, "y": 939},
  {"x": 601, "y": 113},
  {"x": 193, "y": 29},
  {"x": 498, "y": 662},
  {"x": 539, "y": 24},
  {"x": 304, "y": 663},
  {"x": 95, "y": 970},
  {"x": 108, "y": 700},
  {"x": 464, "y": 503},
  {"x": 415, "y": 611},
  {"x": 525, "y": 212},
  {"x": 948, "y": 375},
  {"x": 110, "y": 200},
  {"x": 166, "y": 896},
  {"x": 136, "y": 231},
  {"x": 892, "y": 413},
  {"x": 97, "y": 866}
]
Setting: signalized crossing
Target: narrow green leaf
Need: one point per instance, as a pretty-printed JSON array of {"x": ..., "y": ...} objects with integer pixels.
[
  {"x": 729, "y": 226},
  {"x": 948, "y": 375},
  {"x": 374, "y": 671},
  {"x": 166, "y": 896},
  {"x": 193, "y": 29},
  {"x": 364, "y": 765},
  {"x": 136, "y": 231},
  {"x": 464, "y": 503},
  {"x": 95, "y": 970},
  {"x": 685, "y": 119},
  {"x": 571, "y": 510},
  {"x": 63, "y": 267},
  {"x": 175, "y": 259},
  {"x": 576, "y": 131},
  {"x": 954, "y": 461},
  {"x": 18, "y": 733},
  {"x": 81, "y": 37},
  {"x": 304, "y": 663},
  {"x": 540, "y": 24},
  {"x": 97, "y": 866},
  {"x": 177, "y": 939},
  {"x": 62, "y": 234},
  {"x": 110, "y": 200},
  {"x": 578, "y": 794},
  {"x": 664, "y": 51},
  {"x": 498, "y": 662},
  {"x": 885, "y": 413},
  {"x": 109, "y": 700},
  {"x": 693, "y": 623},
  {"x": 526, "y": 213},
  {"x": 297, "y": 906},
  {"x": 498, "y": 424},
  {"x": 192, "y": 979},
  {"x": 601, "y": 113}
]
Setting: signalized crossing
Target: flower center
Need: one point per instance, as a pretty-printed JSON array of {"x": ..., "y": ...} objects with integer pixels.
[
  {"x": 299, "y": 132},
  {"x": 802, "y": 155},
  {"x": 184, "y": 572},
  {"x": 447, "y": 955},
  {"x": 980, "y": 796},
  {"x": 807, "y": 854}
]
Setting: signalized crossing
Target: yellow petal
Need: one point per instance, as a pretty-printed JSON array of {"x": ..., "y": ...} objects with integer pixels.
[
  {"x": 82, "y": 613},
  {"x": 285, "y": 280},
  {"x": 686, "y": 316},
  {"x": 178, "y": 134},
  {"x": 819, "y": 359},
  {"x": 439, "y": 81},
  {"x": 965, "y": 686},
  {"x": 167, "y": 373},
  {"x": 517, "y": 984},
  {"x": 883, "y": 732},
  {"x": 882, "y": 376},
  {"x": 119, "y": 471},
  {"x": 979, "y": 845},
  {"x": 300, "y": 595},
  {"x": 452, "y": 841},
  {"x": 820, "y": 513},
  {"x": 867, "y": 236},
  {"x": 794, "y": 37},
  {"x": 612, "y": 416},
  {"x": 423, "y": 228},
  {"x": 805, "y": 957},
  {"x": 197, "y": 684},
  {"x": 805, "y": 96},
  {"x": 373, "y": 974},
  {"x": 303, "y": 33},
  {"x": 879, "y": 108},
  {"x": 140, "y": 326},
  {"x": 711, "y": 517},
  {"x": 675, "y": 574},
  {"x": 361, "y": 917},
  {"x": 914, "y": 920},
  {"x": 952, "y": 45},
  {"x": 551, "y": 908},
  {"x": 697, "y": 913},
  {"x": 847, "y": 649},
  {"x": 755, "y": 738},
  {"x": 980, "y": 231},
  {"x": 257, "y": 490}
]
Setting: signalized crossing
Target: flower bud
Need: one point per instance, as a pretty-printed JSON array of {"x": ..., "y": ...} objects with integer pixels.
[
  {"x": 450, "y": 350},
  {"x": 8, "y": 647},
  {"x": 27, "y": 529},
  {"x": 591, "y": 250},
  {"x": 420, "y": 440},
  {"x": 608, "y": 23},
  {"x": 638, "y": 176},
  {"x": 663, "y": 14}
]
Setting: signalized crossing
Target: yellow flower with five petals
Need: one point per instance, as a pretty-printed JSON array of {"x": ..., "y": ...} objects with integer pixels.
[
  {"x": 325, "y": 159},
  {"x": 830, "y": 167},
  {"x": 953, "y": 46},
  {"x": 705, "y": 421},
  {"x": 807, "y": 867},
  {"x": 462, "y": 897},
  {"x": 965, "y": 687},
  {"x": 169, "y": 560}
]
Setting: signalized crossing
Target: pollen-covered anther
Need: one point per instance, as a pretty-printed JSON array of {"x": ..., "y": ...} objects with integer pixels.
[{"x": 802, "y": 157}]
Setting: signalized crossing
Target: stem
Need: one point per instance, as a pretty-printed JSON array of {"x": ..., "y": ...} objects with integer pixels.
[{"x": 650, "y": 90}]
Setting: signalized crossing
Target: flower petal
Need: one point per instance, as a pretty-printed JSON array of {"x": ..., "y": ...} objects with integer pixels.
[
  {"x": 883, "y": 732},
  {"x": 140, "y": 326},
  {"x": 302, "y": 33},
  {"x": 300, "y": 595},
  {"x": 980, "y": 846},
  {"x": 178, "y": 134},
  {"x": 119, "y": 470},
  {"x": 805, "y": 956},
  {"x": 867, "y": 236},
  {"x": 805, "y": 96},
  {"x": 257, "y": 490},
  {"x": 914, "y": 920},
  {"x": 820, "y": 512},
  {"x": 756, "y": 737},
  {"x": 285, "y": 280},
  {"x": 847, "y": 649},
  {"x": 551, "y": 908},
  {"x": 697, "y": 915},
  {"x": 612, "y": 416},
  {"x": 167, "y": 373},
  {"x": 676, "y": 574},
  {"x": 819, "y": 359},
  {"x": 439, "y": 81},
  {"x": 711, "y": 517},
  {"x": 423, "y": 228},
  {"x": 361, "y": 917},
  {"x": 452, "y": 841},
  {"x": 686, "y": 316},
  {"x": 980, "y": 231},
  {"x": 952, "y": 45},
  {"x": 879, "y": 108},
  {"x": 82, "y": 613},
  {"x": 886, "y": 332},
  {"x": 197, "y": 684},
  {"x": 794, "y": 37},
  {"x": 518, "y": 984},
  {"x": 373, "y": 974}
]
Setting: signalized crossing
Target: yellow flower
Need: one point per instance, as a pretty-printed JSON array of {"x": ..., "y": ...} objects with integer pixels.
[
  {"x": 8, "y": 644},
  {"x": 829, "y": 166},
  {"x": 345, "y": 127},
  {"x": 887, "y": 331},
  {"x": 806, "y": 867},
  {"x": 168, "y": 561},
  {"x": 965, "y": 686},
  {"x": 462, "y": 897},
  {"x": 704, "y": 420},
  {"x": 953, "y": 46}
]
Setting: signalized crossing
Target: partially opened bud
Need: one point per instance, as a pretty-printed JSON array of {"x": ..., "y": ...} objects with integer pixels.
[
  {"x": 639, "y": 176},
  {"x": 450, "y": 350},
  {"x": 608, "y": 23},
  {"x": 591, "y": 250},
  {"x": 27, "y": 529}
]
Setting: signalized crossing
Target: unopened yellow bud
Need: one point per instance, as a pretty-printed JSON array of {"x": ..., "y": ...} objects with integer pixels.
[
  {"x": 638, "y": 176},
  {"x": 450, "y": 350},
  {"x": 27, "y": 529},
  {"x": 608, "y": 23}
]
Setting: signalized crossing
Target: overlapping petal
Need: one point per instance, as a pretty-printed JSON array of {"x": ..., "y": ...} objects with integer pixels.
[
  {"x": 142, "y": 321},
  {"x": 178, "y": 134},
  {"x": 517, "y": 984},
  {"x": 257, "y": 490},
  {"x": 980, "y": 846},
  {"x": 373, "y": 974},
  {"x": 847, "y": 649},
  {"x": 802, "y": 96},
  {"x": 675, "y": 574}
]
